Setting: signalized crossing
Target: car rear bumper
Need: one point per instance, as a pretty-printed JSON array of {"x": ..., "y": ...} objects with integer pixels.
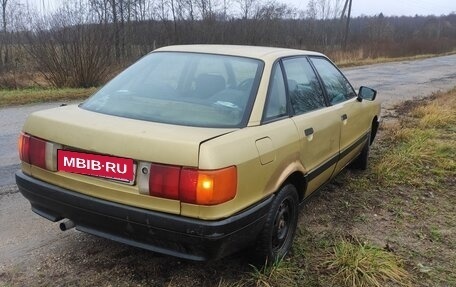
[{"x": 174, "y": 235}]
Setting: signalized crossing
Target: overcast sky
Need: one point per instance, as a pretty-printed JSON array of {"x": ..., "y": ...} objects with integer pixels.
[
  {"x": 362, "y": 7},
  {"x": 394, "y": 7}
]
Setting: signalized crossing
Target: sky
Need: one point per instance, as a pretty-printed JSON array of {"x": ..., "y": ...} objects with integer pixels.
[
  {"x": 393, "y": 7},
  {"x": 361, "y": 7}
]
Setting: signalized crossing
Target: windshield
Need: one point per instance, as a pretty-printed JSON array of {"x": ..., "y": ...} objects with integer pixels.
[{"x": 191, "y": 89}]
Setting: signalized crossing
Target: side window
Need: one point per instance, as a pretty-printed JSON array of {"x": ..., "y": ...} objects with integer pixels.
[
  {"x": 304, "y": 89},
  {"x": 276, "y": 102},
  {"x": 337, "y": 87}
]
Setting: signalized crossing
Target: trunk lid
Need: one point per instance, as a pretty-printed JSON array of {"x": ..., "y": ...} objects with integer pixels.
[{"x": 113, "y": 135}]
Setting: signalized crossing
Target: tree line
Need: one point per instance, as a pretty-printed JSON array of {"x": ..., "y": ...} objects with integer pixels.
[{"x": 84, "y": 42}]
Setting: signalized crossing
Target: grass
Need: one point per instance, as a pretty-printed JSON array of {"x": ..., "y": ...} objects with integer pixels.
[
  {"x": 361, "y": 265},
  {"x": 424, "y": 145},
  {"x": 438, "y": 114},
  {"x": 39, "y": 95},
  {"x": 281, "y": 273},
  {"x": 355, "y": 58}
]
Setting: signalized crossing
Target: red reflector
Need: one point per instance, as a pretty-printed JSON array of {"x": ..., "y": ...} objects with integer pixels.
[
  {"x": 188, "y": 184},
  {"x": 164, "y": 181},
  {"x": 37, "y": 152}
]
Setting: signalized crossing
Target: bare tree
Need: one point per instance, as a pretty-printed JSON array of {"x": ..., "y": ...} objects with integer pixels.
[
  {"x": 248, "y": 7},
  {"x": 324, "y": 9},
  {"x": 85, "y": 39},
  {"x": 274, "y": 11},
  {"x": 70, "y": 50},
  {"x": 4, "y": 47},
  {"x": 101, "y": 9}
]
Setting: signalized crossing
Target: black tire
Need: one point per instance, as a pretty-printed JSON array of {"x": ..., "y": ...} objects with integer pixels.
[
  {"x": 276, "y": 237},
  {"x": 362, "y": 161}
]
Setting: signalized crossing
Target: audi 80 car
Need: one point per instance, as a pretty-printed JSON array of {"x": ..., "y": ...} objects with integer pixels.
[{"x": 198, "y": 151}]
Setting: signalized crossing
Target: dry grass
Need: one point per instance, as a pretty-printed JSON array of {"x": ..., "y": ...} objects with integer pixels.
[
  {"x": 410, "y": 159},
  {"x": 362, "y": 265},
  {"x": 438, "y": 114},
  {"x": 281, "y": 273},
  {"x": 424, "y": 145},
  {"x": 354, "y": 58}
]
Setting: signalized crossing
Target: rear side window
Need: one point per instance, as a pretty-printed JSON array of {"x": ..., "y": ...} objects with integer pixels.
[
  {"x": 337, "y": 87},
  {"x": 276, "y": 103},
  {"x": 304, "y": 89}
]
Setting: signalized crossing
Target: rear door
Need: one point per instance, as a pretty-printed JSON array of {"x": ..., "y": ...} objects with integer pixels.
[
  {"x": 353, "y": 123},
  {"x": 317, "y": 126}
]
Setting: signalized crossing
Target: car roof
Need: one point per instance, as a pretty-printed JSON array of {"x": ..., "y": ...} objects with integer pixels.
[{"x": 258, "y": 52}]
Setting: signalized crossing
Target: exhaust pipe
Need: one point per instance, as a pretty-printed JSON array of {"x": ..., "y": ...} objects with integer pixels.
[{"x": 66, "y": 225}]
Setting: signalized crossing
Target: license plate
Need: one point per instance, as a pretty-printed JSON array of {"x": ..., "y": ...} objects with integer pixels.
[{"x": 117, "y": 168}]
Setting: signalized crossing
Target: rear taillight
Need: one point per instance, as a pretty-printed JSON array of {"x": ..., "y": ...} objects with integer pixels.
[
  {"x": 24, "y": 147},
  {"x": 204, "y": 187},
  {"x": 188, "y": 184},
  {"x": 164, "y": 181},
  {"x": 37, "y": 152}
]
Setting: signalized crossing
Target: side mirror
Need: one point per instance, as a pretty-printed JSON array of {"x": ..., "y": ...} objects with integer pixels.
[{"x": 366, "y": 93}]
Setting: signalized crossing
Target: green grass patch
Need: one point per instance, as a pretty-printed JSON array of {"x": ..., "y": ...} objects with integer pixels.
[{"x": 38, "y": 95}]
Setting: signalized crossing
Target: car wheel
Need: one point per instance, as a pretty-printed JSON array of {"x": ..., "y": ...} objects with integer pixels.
[
  {"x": 276, "y": 237},
  {"x": 362, "y": 160}
]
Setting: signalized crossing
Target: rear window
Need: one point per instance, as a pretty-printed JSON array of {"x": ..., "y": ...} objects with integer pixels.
[{"x": 191, "y": 89}]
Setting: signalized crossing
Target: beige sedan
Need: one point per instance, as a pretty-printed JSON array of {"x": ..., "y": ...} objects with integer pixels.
[{"x": 199, "y": 151}]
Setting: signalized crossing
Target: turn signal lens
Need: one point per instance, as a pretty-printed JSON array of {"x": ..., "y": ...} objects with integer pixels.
[
  {"x": 216, "y": 186},
  {"x": 208, "y": 187}
]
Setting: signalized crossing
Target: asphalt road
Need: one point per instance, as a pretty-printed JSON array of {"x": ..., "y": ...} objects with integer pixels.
[
  {"x": 26, "y": 236},
  {"x": 406, "y": 80},
  {"x": 11, "y": 121}
]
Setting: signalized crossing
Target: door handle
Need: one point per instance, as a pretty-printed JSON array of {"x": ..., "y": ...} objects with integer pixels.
[
  {"x": 308, "y": 131},
  {"x": 344, "y": 117}
]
